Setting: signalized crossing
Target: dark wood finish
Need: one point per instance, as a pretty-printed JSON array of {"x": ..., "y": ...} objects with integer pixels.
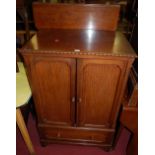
[
  {"x": 76, "y": 42},
  {"x": 109, "y": 75},
  {"x": 99, "y": 84},
  {"x": 77, "y": 135},
  {"x": 78, "y": 79},
  {"x": 76, "y": 16},
  {"x": 55, "y": 87}
]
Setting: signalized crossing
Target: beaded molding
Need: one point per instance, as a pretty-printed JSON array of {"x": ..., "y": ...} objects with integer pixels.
[{"x": 78, "y": 53}]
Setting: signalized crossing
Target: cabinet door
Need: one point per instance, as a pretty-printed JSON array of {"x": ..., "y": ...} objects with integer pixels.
[
  {"x": 99, "y": 87},
  {"x": 53, "y": 82}
]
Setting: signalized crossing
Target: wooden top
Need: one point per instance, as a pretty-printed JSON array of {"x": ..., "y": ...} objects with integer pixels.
[
  {"x": 75, "y": 16},
  {"x": 82, "y": 42},
  {"x": 23, "y": 91}
]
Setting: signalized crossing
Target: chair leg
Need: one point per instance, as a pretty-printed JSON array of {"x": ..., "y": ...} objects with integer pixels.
[{"x": 23, "y": 130}]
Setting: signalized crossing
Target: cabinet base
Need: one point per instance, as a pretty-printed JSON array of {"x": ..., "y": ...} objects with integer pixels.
[
  {"x": 76, "y": 135},
  {"x": 46, "y": 142}
]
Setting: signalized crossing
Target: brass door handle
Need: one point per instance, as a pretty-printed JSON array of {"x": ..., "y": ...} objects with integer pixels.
[
  {"x": 79, "y": 100},
  {"x": 73, "y": 99}
]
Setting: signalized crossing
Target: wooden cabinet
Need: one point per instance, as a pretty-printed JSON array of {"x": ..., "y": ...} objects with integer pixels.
[
  {"x": 76, "y": 99},
  {"x": 77, "y": 76}
]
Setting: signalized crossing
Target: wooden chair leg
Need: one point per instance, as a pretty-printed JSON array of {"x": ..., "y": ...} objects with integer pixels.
[{"x": 23, "y": 130}]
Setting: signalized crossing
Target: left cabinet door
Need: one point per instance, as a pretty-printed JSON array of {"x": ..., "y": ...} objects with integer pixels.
[{"x": 53, "y": 84}]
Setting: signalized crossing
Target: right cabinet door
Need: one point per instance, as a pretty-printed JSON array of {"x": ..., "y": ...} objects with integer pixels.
[{"x": 99, "y": 84}]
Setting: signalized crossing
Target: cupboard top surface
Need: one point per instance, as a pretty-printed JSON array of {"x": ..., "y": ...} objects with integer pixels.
[{"x": 83, "y": 42}]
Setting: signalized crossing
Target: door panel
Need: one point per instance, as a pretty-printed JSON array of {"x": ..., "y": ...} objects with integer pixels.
[
  {"x": 98, "y": 87},
  {"x": 54, "y": 88}
]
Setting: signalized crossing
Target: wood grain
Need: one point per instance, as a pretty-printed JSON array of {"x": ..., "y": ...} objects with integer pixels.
[
  {"x": 88, "y": 42},
  {"x": 98, "y": 88},
  {"x": 78, "y": 68},
  {"x": 76, "y": 16},
  {"x": 76, "y": 135},
  {"x": 55, "y": 88}
]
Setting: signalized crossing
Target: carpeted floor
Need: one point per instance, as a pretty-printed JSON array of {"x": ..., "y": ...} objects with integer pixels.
[{"x": 56, "y": 149}]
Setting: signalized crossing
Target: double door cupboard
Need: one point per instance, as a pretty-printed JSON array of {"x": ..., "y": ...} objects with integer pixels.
[{"x": 77, "y": 79}]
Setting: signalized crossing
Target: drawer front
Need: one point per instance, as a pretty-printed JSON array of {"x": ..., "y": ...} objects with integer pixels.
[{"x": 77, "y": 134}]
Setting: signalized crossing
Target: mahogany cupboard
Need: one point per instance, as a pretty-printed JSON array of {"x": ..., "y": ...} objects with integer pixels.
[{"x": 77, "y": 75}]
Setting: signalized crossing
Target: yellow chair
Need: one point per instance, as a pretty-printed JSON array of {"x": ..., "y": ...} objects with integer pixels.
[{"x": 23, "y": 94}]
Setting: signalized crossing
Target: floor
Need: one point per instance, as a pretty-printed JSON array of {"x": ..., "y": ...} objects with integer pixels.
[{"x": 56, "y": 149}]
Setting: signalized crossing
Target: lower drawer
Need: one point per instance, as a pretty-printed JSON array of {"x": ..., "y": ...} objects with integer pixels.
[{"x": 77, "y": 134}]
